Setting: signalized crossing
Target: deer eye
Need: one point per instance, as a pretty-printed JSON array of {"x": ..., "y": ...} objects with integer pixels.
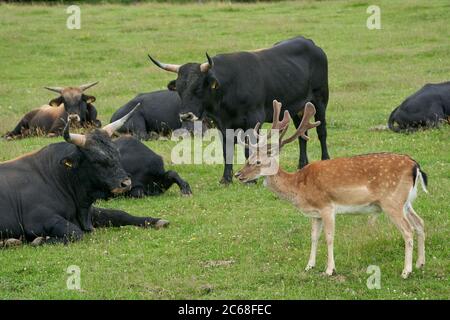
[{"x": 258, "y": 162}]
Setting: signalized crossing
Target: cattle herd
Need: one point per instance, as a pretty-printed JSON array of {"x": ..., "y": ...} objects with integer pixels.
[{"x": 48, "y": 196}]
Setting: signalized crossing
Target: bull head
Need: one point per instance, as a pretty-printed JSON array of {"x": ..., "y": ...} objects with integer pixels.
[
  {"x": 74, "y": 100},
  {"x": 196, "y": 85}
]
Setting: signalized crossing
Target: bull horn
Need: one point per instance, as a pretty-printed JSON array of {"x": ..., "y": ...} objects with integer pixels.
[
  {"x": 204, "y": 67},
  {"x": 116, "y": 125},
  {"x": 165, "y": 66},
  {"x": 55, "y": 89},
  {"x": 84, "y": 87},
  {"x": 74, "y": 138}
]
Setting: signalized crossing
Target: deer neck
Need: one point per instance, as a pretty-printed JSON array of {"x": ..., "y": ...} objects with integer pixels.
[{"x": 284, "y": 184}]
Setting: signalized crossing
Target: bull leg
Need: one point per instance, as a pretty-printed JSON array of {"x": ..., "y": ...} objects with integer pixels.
[
  {"x": 60, "y": 230},
  {"x": 137, "y": 192},
  {"x": 322, "y": 131},
  {"x": 303, "y": 160},
  {"x": 103, "y": 218},
  {"x": 171, "y": 177},
  {"x": 18, "y": 130},
  {"x": 91, "y": 118},
  {"x": 56, "y": 129},
  {"x": 228, "y": 154},
  {"x": 138, "y": 128},
  {"x": 436, "y": 116}
]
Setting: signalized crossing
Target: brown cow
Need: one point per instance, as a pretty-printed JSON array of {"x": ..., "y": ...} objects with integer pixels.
[{"x": 50, "y": 119}]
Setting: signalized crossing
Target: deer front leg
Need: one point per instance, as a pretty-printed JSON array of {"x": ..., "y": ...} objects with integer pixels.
[
  {"x": 316, "y": 229},
  {"x": 328, "y": 217}
]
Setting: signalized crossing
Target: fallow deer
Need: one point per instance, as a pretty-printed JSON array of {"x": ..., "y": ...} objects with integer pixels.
[{"x": 368, "y": 183}]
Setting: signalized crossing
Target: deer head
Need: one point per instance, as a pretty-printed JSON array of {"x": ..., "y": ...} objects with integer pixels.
[{"x": 263, "y": 159}]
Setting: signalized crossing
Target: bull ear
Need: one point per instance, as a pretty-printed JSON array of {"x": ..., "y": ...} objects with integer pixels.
[
  {"x": 88, "y": 99},
  {"x": 212, "y": 82},
  {"x": 56, "y": 102},
  {"x": 172, "y": 85},
  {"x": 70, "y": 162}
]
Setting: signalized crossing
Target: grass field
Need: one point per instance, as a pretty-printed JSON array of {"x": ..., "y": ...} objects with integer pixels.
[{"x": 237, "y": 241}]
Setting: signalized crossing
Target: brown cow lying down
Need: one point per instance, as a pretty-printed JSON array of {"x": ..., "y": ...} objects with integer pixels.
[{"x": 50, "y": 119}]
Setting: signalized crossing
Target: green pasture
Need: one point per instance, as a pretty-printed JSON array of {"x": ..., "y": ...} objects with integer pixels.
[{"x": 237, "y": 241}]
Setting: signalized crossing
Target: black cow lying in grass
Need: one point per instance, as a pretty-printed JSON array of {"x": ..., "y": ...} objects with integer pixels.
[
  {"x": 146, "y": 169},
  {"x": 47, "y": 196},
  {"x": 159, "y": 114},
  {"x": 50, "y": 119},
  {"x": 426, "y": 108}
]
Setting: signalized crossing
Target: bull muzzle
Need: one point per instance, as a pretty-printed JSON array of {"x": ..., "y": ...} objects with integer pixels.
[
  {"x": 125, "y": 186},
  {"x": 74, "y": 118},
  {"x": 189, "y": 116}
]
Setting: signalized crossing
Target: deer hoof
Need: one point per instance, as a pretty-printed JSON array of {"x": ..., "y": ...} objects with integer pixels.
[
  {"x": 405, "y": 274},
  {"x": 309, "y": 267},
  {"x": 330, "y": 272}
]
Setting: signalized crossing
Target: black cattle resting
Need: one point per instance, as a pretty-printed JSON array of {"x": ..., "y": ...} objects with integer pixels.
[
  {"x": 146, "y": 168},
  {"x": 160, "y": 114},
  {"x": 236, "y": 90},
  {"x": 426, "y": 108},
  {"x": 47, "y": 196},
  {"x": 50, "y": 119}
]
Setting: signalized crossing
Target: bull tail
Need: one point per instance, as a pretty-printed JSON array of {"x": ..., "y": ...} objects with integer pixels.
[{"x": 391, "y": 122}]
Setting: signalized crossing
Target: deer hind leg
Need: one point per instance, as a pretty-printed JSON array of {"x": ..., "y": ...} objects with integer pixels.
[
  {"x": 328, "y": 217},
  {"x": 316, "y": 229},
  {"x": 398, "y": 217},
  {"x": 419, "y": 227}
]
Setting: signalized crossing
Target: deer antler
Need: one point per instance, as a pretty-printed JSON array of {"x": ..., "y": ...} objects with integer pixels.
[
  {"x": 249, "y": 144},
  {"x": 261, "y": 140},
  {"x": 282, "y": 125},
  {"x": 305, "y": 125}
]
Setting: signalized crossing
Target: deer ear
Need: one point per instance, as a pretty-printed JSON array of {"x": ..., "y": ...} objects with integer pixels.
[
  {"x": 172, "y": 86},
  {"x": 88, "y": 99},
  {"x": 56, "y": 102}
]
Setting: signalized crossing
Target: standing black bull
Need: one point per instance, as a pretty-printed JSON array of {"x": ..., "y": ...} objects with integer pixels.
[
  {"x": 236, "y": 90},
  {"x": 48, "y": 195},
  {"x": 428, "y": 107},
  {"x": 146, "y": 168},
  {"x": 50, "y": 119},
  {"x": 159, "y": 113}
]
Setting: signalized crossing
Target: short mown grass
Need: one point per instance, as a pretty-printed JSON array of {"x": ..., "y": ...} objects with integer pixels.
[{"x": 237, "y": 241}]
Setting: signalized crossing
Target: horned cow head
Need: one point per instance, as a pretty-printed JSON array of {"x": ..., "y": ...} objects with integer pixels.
[
  {"x": 74, "y": 99},
  {"x": 98, "y": 158},
  {"x": 196, "y": 84}
]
